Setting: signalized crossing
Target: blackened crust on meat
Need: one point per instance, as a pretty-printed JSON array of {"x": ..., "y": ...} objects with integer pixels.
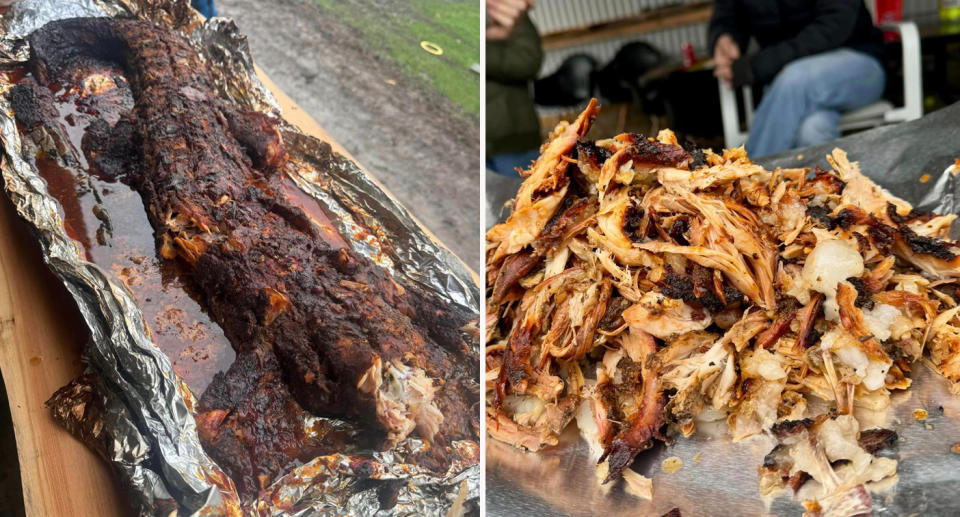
[
  {"x": 77, "y": 42},
  {"x": 555, "y": 183},
  {"x": 233, "y": 410},
  {"x": 514, "y": 268},
  {"x": 679, "y": 231},
  {"x": 872, "y": 440},
  {"x": 775, "y": 456},
  {"x": 914, "y": 215},
  {"x": 883, "y": 236},
  {"x": 677, "y": 286},
  {"x": 673, "y": 513},
  {"x": 683, "y": 287},
  {"x": 927, "y": 245},
  {"x": 32, "y": 106},
  {"x": 830, "y": 182},
  {"x": 633, "y": 222},
  {"x": 820, "y": 214},
  {"x": 572, "y": 212},
  {"x": 644, "y": 150},
  {"x": 844, "y": 219},
  {"x": 591, "y": 153},
  {"x": 114, "y": 151},
  {"x": 613, "y": 316},
  {"x": 516, "y": 369},
  {"x": 249, "y": 129},
  {"x": 698, "y": 157},
  {"x": 590, "y": 158},
  {"x": 863, "y": 244},
  {"x": 864, "y": 301},
  {"x": 787, "y": 427}
]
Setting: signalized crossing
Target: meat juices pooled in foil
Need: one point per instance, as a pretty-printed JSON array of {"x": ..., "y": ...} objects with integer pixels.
[
  {"x": 642, "y": 289},
  {"x": 316, "y": 327}
]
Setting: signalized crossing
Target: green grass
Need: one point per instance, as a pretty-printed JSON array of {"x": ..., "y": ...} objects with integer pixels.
[{"x": 454, "y": 25}]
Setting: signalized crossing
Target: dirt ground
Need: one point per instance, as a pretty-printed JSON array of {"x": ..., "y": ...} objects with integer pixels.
[{"x": 421, "y": 144}]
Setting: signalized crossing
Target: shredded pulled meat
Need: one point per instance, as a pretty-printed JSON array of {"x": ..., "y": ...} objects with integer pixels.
[{"x": 658, "y": 291}]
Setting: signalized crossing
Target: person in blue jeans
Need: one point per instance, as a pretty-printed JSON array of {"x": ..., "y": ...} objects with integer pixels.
[
  {"x": 818, "y": 58},
  {"x": 204, "y": 7}
]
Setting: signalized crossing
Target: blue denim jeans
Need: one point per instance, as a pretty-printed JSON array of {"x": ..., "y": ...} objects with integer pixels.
[
  {"x": 507, "y": 164},
  {"x": 205, "y": 7},
  {"x": 803, "y": 104}
]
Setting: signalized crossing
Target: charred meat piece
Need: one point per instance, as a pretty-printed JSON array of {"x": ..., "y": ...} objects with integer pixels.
[
  {"x": 315, "y": 326},
  {"x": 645, "y": 150},
  {"x": 642, "y": 430},
  {"x": 245, "y": 400},
  {"x": 699, "y": 289},
  {"x": 872, "y": 440}
]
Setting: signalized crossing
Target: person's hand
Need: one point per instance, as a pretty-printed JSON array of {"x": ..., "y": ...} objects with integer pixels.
[
  {"x": 503, "y": 16},
  {"x": 725, "y": 53}
]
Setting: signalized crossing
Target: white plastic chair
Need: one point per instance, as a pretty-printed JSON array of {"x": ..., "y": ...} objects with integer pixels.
[{"x": 877, "y": 114}]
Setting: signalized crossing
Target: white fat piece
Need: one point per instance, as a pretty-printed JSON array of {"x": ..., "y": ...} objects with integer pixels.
[
  {"x": 881, "y": 319},
  {"x": 832, "y": 261},
  {"x": 586, "y": 417},
  {"x": 847, "y": 350}
]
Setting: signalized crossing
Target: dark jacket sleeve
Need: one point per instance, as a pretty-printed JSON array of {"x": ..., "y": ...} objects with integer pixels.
[
  {"x": 830, "y": 28},
  {"x": 725, "y": 21},
  {"x": 516, "y": 58}
]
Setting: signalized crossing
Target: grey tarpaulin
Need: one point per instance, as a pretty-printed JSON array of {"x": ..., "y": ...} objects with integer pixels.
[{"x": 896, "y": 157}]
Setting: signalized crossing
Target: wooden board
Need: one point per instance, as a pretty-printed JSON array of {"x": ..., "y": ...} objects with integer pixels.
[{"x": 41, "y": 337}]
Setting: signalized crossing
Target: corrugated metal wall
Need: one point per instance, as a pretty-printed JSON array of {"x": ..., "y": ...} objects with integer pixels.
[
  {"x": 557, "y": 15},
  {"x": 915, "y": 8}
]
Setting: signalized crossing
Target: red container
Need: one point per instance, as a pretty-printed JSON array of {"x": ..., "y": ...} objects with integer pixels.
[
  {"x": 889, "y": 11},
  {"x": 689, "y": 57}
]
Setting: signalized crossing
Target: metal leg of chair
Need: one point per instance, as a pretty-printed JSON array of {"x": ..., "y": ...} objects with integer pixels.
[
  {"x": 912, "y": 74},
  {"x": 732, "y": 136}
]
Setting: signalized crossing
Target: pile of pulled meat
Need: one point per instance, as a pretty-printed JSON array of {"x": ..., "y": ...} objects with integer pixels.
[{"x": 641, "y": 289}]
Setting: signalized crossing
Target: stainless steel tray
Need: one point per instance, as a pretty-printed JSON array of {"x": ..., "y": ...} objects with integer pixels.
[{"x": 560, "y": 481}]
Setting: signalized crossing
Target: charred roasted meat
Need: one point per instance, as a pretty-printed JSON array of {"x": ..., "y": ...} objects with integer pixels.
[
  {"x": 641, "y": 292},
  {"x": 318, "y": 328}
]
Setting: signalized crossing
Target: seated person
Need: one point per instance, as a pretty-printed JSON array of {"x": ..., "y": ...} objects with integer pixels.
[{"x": 821, "y": 58}]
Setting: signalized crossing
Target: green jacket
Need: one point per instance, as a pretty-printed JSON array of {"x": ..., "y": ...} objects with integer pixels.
[{"x": 512, "y": 122}]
